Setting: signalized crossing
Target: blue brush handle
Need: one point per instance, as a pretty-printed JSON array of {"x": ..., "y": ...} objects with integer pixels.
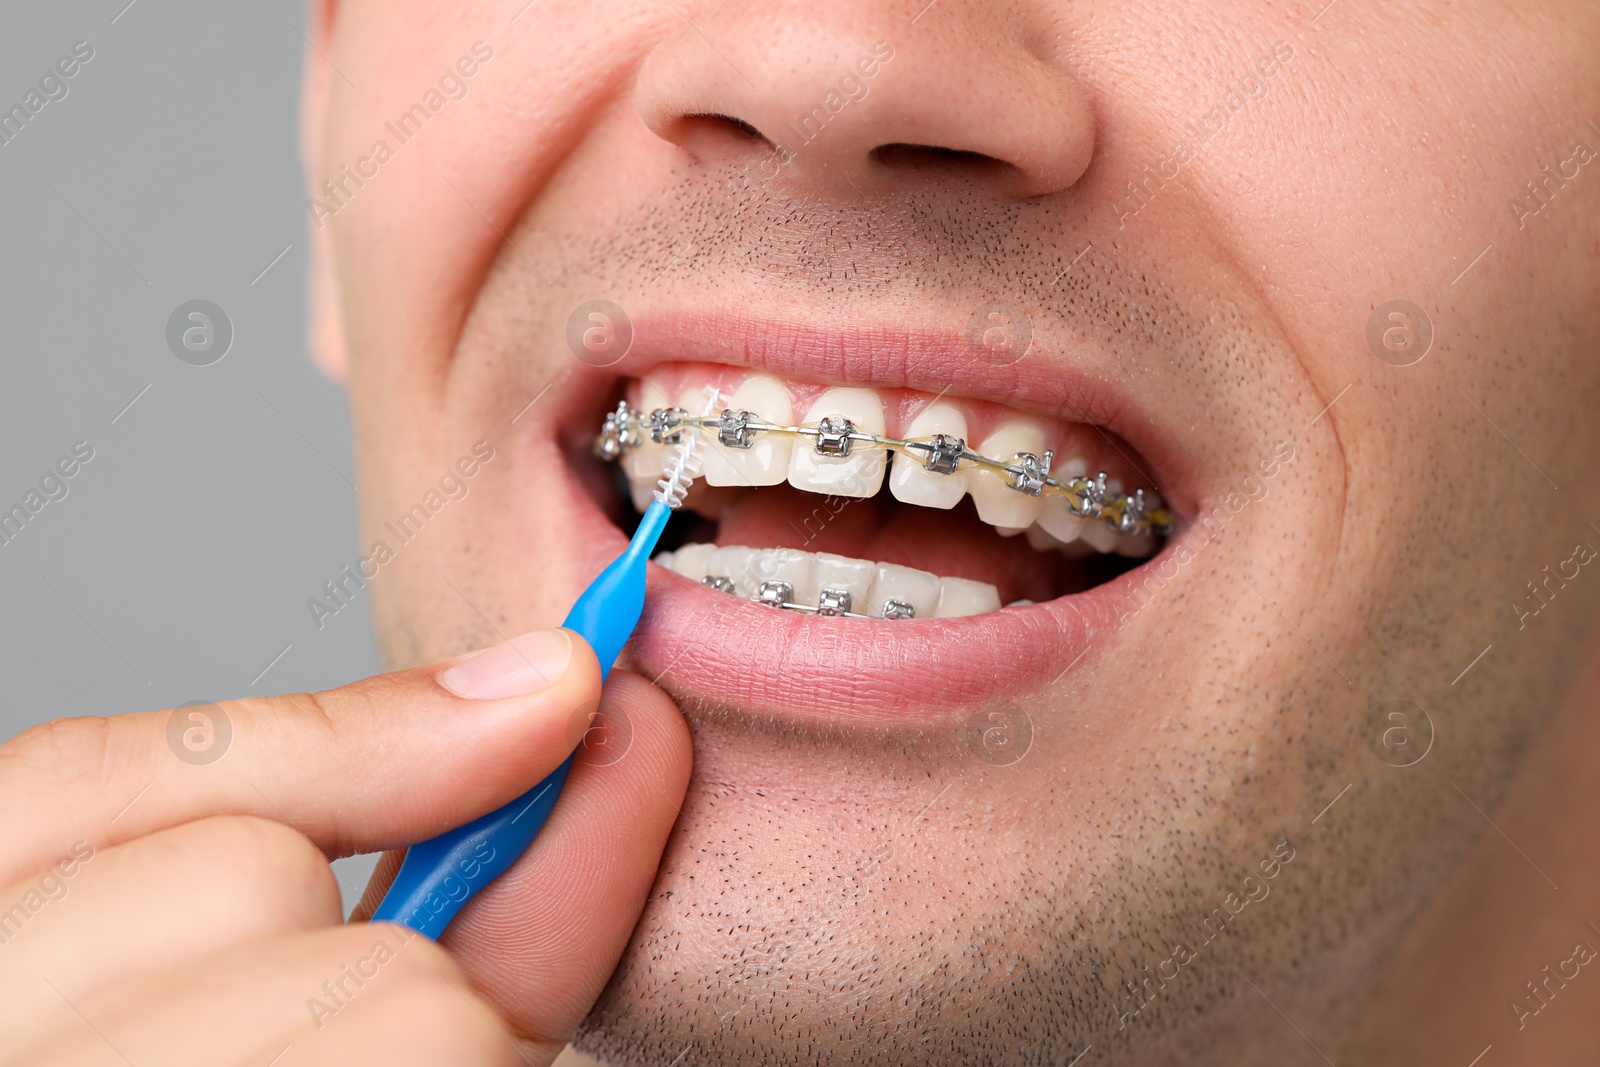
[{"x": 441, "y": 875}]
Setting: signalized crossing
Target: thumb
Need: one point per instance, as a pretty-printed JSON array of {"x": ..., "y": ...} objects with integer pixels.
[{"x": 373, "y": 765}]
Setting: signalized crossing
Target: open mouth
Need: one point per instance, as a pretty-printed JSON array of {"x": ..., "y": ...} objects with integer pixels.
[
  {"x": 931, "y": 506},
  {"x": 886, "y": 530}
]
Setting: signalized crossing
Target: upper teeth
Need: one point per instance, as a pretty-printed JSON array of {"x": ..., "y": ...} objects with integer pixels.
[
  {"x": 840, "y": 447},
  {"x": 931, "y": 484},
  {"x": 838, "y": 467}
]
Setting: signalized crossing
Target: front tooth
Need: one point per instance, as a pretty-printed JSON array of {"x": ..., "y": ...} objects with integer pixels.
[
  {"x": 697, "y": 402},
  {"x": 663, "y": 559},
  {"x": 852, "y": 575},
  {"x": 792, "y": 566},
  {"x": 766, "y": 461},
  {"x": 859, "y": 474},
  {"x": 644, "y": 461},
  {"x": 735, "y": 562},
  {"x": 960, "y": 596},
  {"x": 690, "y": 561},
  {"x": 998, "y": 504},
  {"x": 907, "y": 584},
  {"x": 913, "y": 483}
]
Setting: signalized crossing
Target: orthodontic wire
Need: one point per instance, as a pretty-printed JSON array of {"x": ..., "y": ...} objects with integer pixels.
[{"x": 1088, "y": 498}]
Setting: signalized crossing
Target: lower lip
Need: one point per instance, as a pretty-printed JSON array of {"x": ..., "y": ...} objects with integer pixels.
[{"x": 709, "y": 646}]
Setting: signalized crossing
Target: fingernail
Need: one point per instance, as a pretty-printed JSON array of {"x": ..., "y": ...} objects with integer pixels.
[{"x": 521, "y": 666}]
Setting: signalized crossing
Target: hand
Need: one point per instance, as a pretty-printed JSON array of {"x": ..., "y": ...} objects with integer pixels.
[{"x": 167, "y": 902}]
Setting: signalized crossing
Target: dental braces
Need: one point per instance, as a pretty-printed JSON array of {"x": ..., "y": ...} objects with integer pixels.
[
  {"x": 1091, "y": 499},
  {"x": 832, "y": 602}
]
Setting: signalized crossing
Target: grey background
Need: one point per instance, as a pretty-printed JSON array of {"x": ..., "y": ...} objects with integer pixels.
[{"x": 178, "y": 566}]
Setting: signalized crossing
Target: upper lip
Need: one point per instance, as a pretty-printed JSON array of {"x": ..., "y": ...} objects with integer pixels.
[{"x": 706, "y": 646}]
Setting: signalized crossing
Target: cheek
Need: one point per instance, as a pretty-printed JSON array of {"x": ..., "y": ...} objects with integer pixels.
[{"x": 512, "y": 105}]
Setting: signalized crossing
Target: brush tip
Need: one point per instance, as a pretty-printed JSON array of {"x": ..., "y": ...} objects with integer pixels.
[
  {"x": 681, "y": 471},
  {"x": 686, "y": 462}
]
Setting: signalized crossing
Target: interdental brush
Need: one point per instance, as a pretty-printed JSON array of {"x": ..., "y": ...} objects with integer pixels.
[{"x": 439, "y": 876}]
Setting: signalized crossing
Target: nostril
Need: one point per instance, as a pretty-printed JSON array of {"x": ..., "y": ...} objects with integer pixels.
[
  {"x": 714, "y": 138},
  {"x": 929, "y": 158},
  {"x": 889, "y": 153},
  {"x": 726, "y": 126},
  {"x": 741, "y": 125}
]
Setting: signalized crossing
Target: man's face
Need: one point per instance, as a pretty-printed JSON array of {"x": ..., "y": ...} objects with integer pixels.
[{"x": 1165, "y": 240}]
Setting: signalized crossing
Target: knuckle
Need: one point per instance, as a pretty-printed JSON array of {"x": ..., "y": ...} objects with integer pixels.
[
  {"x": 335, "y": 712},
  {"x": 49, "y": 742},
  {"x": 366, "y": 698},
  {"x": 67, "y": 751},
  {"x": 321, "y": 706},
  {"x": 296, "y": 709}
]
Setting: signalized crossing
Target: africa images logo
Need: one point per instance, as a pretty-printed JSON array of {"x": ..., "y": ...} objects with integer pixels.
[
  {"x": 451, "y": 85},
  {"x": 51, "y": 86},
  {"x": 341, "y": 590}
]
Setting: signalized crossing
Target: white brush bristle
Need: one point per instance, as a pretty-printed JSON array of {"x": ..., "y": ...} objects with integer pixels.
[
  {"x": 681, "y": 471},
  {"x": 686, "y": 461}
]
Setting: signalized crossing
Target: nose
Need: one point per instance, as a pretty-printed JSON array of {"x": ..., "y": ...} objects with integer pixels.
[{"x": 870, "y": 93}]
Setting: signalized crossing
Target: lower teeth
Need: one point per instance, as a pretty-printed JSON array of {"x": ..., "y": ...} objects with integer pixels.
[{"x": 824, "y": 584}]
